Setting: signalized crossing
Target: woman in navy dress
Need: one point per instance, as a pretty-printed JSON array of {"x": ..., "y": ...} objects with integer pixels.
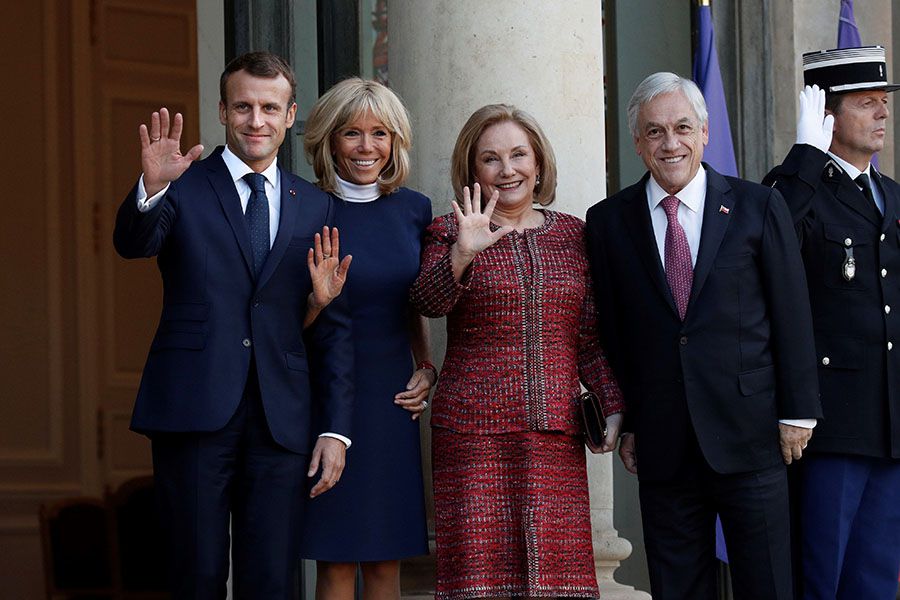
[{"x": 357, "y": 139}]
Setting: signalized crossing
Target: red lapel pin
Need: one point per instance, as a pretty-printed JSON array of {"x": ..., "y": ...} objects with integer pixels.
[{"x": 724, "y": 209}]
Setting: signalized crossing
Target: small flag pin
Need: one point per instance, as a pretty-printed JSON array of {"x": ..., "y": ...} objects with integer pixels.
[{"x": 724, "y": 209}]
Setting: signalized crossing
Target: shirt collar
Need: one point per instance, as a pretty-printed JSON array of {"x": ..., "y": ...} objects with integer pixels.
[
  {"x": 691, "y": 195},
  {"x": 849, "y": 169},
  {"x": 238, "y": 168}
]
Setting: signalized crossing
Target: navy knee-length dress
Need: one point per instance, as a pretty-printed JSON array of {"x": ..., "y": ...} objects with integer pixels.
[{"x": 377, "y": 509}]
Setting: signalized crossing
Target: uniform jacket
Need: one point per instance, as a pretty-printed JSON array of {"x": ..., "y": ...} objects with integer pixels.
[
  {"x": 855, "y": 327},
  {"x": 743, "y": 357},
  {"x": 215, "y": 317},
  {"x": 521, "y": 330}
]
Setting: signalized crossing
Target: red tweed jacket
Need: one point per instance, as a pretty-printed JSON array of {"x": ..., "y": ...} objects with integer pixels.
[{"x": 521, "y": 330}]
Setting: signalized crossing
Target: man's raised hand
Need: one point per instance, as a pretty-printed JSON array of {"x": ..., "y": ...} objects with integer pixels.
[
  {"x": 814, "y": 127},
  {"x": 161, "y": 158}
]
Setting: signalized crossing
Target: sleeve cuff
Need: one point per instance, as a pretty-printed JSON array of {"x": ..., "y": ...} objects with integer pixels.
[
  {"x": 804, "y": 423},
  {"x": 145, "y": 204},
  {"x": 337, "y": 436}
]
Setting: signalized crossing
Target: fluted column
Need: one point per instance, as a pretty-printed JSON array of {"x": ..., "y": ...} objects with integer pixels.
[{"x": 448, "y": 59}]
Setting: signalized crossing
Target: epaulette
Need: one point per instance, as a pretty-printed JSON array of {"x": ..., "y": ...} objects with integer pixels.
[{"x": 832, "y": 170}]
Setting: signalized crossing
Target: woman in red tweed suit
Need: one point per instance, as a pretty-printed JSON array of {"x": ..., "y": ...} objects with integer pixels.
[{"x": 512, "y": 514}]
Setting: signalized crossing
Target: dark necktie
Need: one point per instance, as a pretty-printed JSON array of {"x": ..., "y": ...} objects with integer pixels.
[
  {"x": 257, "y": 216},
  {"x": 863, "y": 182},
  {"x": 679, "y": 270}
]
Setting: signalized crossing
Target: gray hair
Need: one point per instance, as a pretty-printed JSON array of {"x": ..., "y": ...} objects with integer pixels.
[{"x": 664, "y": 83}]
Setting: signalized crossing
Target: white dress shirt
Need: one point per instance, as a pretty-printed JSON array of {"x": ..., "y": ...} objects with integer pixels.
[
  {"x": 237, "y": 169},
  {"x": 690, "y": 217}
]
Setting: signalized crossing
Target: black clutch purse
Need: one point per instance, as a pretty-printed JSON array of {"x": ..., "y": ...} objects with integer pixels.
[{"x": 594, "y": 421}]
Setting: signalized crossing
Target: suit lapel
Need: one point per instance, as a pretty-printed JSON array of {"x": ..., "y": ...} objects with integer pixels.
[
  {"x": 846, "y": 190},
  {"x": 637, "y": 219},
  {"x": 715, "y": 222},
  {"x": 289, "y": 209},
  {"x": 223, "y": 185}
]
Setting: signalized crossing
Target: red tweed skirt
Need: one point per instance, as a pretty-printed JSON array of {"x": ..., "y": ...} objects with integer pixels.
[{"x": 512, "y": 516}]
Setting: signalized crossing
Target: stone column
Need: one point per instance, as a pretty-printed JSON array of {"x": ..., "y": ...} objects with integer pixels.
[{"x": 448, "y": 59}]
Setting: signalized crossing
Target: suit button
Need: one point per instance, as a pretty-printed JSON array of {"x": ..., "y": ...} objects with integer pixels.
[
  {"x": 882, "y": 237},
  {"x": 890, "y": 346},
  {"x": 887, "y": 309},
  {"x": 683, "y": 340},
  {"x": 826, "y": 361},
  {"x": 246, "y": 342},
  {"x": 884, "y": 272}
]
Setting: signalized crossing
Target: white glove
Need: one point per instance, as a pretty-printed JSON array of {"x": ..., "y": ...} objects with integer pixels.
[{"x": 813, "y": 127}]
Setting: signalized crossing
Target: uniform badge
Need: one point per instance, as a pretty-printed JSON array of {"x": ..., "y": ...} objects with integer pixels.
[
  {"x": 830, "y": 171},
  {"x": 848, "y": 268}
]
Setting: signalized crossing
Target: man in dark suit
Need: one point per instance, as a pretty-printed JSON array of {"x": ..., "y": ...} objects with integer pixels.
[
  {"x": 226, "y": 391},
  {"x": 847, "y": 216},
  {"x": 704, "y": 316}
]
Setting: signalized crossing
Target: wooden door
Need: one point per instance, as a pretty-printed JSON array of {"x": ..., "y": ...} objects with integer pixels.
[{"x": 144, "y": 56}]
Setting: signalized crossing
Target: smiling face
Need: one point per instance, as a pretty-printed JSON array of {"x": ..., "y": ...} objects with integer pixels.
[
  {"x": 859, "y": 125},
  {"x": 505, "y": 161},
  {"x": 361, "y": 149},
  {"x": 670, "y": 140},
  {"x": 256, "y": 114}
]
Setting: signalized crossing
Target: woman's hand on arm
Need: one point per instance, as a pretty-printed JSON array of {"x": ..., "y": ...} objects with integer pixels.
[{"x": 474, "y": 225}]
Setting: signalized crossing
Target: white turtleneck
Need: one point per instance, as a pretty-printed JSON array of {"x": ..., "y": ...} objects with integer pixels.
[{"x": 353, "y": 192}]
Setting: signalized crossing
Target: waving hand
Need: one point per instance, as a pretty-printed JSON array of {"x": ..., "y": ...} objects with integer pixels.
[{"x": 161, "y": 157}]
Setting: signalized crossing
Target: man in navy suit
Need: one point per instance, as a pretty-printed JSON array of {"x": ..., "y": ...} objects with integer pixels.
[
  {"x": 227, "y": 391},
  {"x": 847, "y": 216},
  {"x": 704, "y": 316}
]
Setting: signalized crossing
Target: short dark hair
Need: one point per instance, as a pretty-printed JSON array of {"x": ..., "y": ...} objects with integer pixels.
[{"x": 259, "y": 64}]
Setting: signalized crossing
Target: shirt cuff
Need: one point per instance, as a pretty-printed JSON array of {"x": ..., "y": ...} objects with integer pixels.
[
  {"x": 804, "y": 423},
  {"x": 144, "y": 203},
  {"x": 337, "y": 436}
]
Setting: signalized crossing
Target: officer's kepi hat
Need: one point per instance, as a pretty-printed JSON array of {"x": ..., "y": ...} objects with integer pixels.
[{"x": 847, "y": 70}]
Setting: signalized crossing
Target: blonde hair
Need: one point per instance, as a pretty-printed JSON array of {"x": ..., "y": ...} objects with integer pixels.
[
  {"x": 462, "y": 167},
  {"x": 346, "y": 101}
]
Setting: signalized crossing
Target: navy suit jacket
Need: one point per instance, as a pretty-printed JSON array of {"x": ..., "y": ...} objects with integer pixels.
[
  {"x": 743, "y": 357},
  {"x": 215, "y": 316},
  {"x": 858, "y": 373}
]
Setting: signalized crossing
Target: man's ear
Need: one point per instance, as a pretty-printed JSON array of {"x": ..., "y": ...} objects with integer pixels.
[
  {"x": 222, "y": 116},
  {"x": 291, "y": 114}
]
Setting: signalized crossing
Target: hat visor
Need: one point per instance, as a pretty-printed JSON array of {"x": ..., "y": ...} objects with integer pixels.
[{"x": 858, "y": 87}]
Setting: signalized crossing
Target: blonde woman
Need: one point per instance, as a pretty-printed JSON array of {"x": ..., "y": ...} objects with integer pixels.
[{"x": 357, "y": 139}]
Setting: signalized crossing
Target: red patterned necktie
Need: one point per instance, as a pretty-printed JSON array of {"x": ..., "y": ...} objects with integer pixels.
[{"x": 679, "y": 271}]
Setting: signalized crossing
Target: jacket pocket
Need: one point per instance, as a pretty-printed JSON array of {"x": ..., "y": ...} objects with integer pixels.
[
  {"x": 840, "y": 352},
  {"x": 296, "y": 361},
  {"x": 842, "y": 243},
  {"x": 178, "y": 340},
  {"x": 757, "y": 381},
  {"x": 186, "y": 311},
  {"x": 734, "y": 261}
]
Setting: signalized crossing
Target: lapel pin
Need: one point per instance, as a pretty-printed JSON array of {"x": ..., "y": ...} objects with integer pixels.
[
  {"x": 292, "y": 192},
  {"x": 724, "y": 209}
]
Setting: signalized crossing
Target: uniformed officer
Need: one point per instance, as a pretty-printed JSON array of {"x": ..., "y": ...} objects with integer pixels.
[{"x": 847, "y": 216}]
